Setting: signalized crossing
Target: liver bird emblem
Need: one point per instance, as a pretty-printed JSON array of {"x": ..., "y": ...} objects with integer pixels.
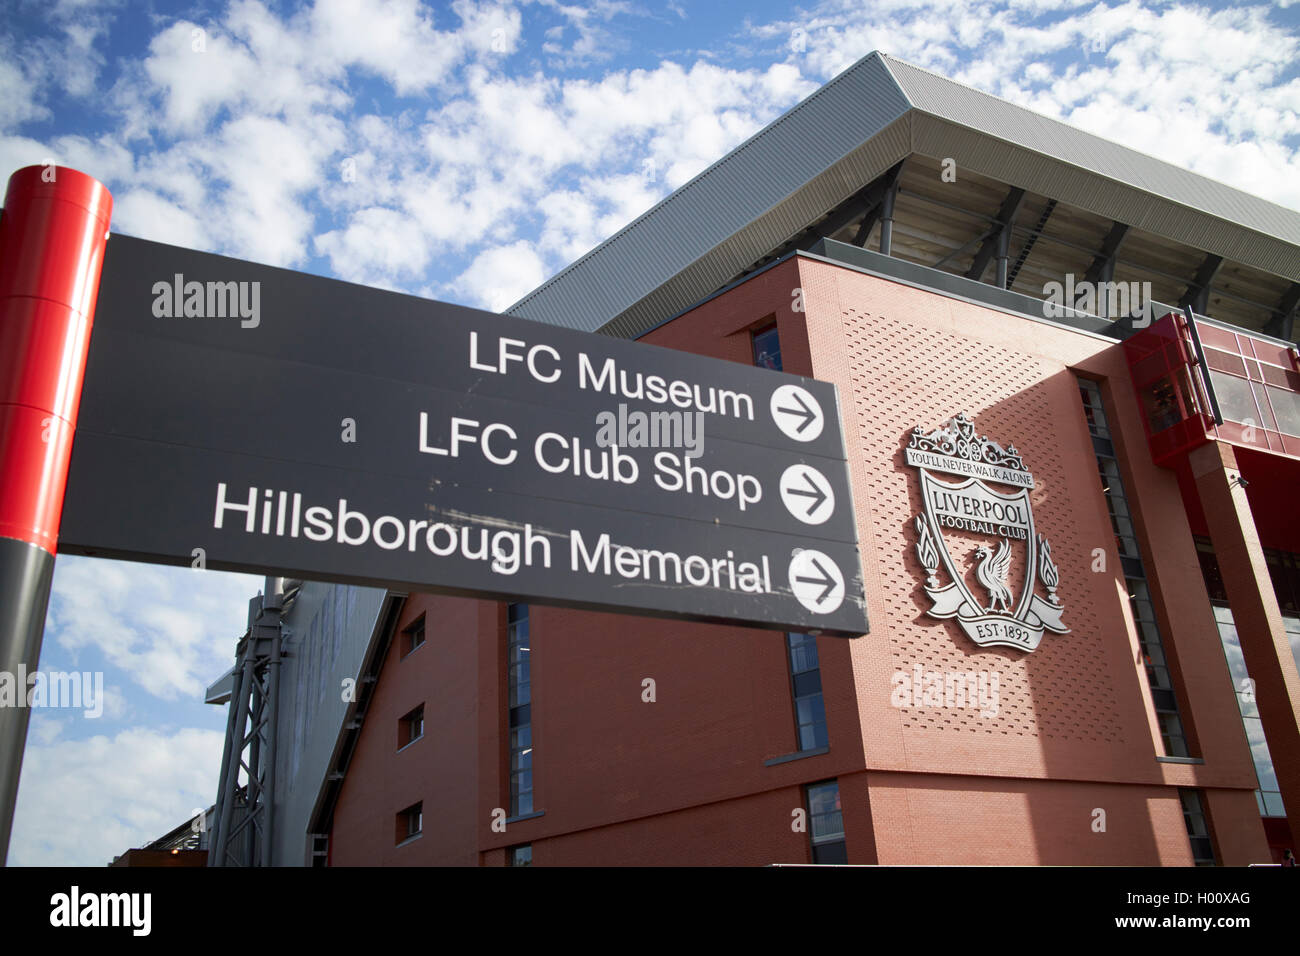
[{"x": 992, "y": 572}]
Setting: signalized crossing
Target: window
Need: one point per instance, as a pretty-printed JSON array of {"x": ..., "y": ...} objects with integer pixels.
[
  {"x": 411, "y": 727},
  {"x": 520, "y": 708},
  {"x": 1168, "y": 401},
  {"x": 767, "y": 348},
  {"x": 1159, "y": 680},
  {"x": 806, "y": 687},
  {"x": 826, "y": 823},
  {"x": 413, "y": 636},
  {"x": 520, "y": 855},
  {"x": 410, "y": 823},
  {"x": 1198, "y": 830}
]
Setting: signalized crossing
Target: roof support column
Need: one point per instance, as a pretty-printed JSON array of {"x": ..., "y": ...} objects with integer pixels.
[
  {"x": 1102, "y": 267},
  {"x": 1282, "y": 324},
  {"x": 1255, "y": 612},
  {"x": 887, "y": 217},
  {"x": 997, "y": 240},
  {"x": 1004, "y": 239},
  {"x": 1197, "y": 296}
]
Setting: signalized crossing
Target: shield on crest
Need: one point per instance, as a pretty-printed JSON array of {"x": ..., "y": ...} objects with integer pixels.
[{"x": 969, "y": 520}]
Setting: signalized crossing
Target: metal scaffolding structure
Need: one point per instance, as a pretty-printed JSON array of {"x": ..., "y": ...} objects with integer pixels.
[{"x": 244, "y": 830}]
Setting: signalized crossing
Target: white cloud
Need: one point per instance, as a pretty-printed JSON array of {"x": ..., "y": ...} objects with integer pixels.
[
  {"x": 197, "y": 73},
  {"x": 19, "y": 151},
  {"x": 83, "y": 802},
  {"x": 267, "y": 167},
  {"x": 500, "y": 276},
  {"x": 379, "y": 247},
  {"x": 394, "y": 40},
  {"x": 171, "y": 630},
  {"x": 589, "y": 21},
  {"x": 142, "y": 212},
  {"x": 19, "y": 101},
  {"x": 1199, "y": 87}
]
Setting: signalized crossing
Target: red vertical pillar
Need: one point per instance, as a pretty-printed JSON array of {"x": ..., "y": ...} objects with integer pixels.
[
  {"x": 53, "y": 231},
  {"x": 1255, "y": 613}
]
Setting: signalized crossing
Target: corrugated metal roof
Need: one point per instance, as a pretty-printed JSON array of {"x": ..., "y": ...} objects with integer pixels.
[
  {"x": 843, "y": 136},
  {"x": 744, "y": 202}
]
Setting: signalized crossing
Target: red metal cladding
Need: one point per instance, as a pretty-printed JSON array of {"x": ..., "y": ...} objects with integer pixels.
[{"x": 52, "y": 236}]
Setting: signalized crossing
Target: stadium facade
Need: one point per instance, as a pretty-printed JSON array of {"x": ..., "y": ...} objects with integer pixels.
[{"x": 1071, "y": 402}]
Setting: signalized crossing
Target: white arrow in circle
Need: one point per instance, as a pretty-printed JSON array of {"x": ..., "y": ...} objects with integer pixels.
[
  {"x": 797, "y": 413},
  {"x": 816, "y": 581},
  {"x": 807, "y": 494}
]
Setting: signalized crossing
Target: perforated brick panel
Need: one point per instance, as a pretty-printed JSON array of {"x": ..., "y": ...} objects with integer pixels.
[{"x": 907, "y": 374}]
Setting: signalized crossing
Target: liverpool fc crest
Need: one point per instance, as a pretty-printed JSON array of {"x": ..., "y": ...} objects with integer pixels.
[{"x": 993, "y": 530}]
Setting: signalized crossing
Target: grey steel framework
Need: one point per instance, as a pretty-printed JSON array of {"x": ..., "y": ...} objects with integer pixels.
[
  {"x": 862, "y": 157},
  {"x": 244, "y": 834}
]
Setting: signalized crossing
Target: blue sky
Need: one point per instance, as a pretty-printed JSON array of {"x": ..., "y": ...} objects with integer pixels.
[{"x": 465, "y": 152}]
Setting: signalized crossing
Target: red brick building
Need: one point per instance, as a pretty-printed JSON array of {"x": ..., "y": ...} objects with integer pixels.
[{"x": 1162, "y": 729}]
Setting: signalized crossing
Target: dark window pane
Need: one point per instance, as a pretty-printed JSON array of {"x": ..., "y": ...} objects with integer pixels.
[
  {"x": 809, "y": 682},
  {"x": 831, "y": 853}
]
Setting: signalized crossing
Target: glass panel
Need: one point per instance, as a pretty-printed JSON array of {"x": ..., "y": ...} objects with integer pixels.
[
  {"x": 1259, "y": 751},
  {"x": 1286, "y": 404},
  {"x": 1160, "y": 403},
  {"x": 825, "y": 818},
  {"x": 767, "y": 349},
  {"x": 1235, "y": 399},
  {"x": 809, "y": 682},
  {"x": 1171, "y": 729},
  {"x": 803, "y": 653}
]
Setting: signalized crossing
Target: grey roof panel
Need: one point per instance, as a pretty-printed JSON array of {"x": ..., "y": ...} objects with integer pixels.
[
  {"x": 843, "y": 136},
  {"x": 755, "y": 179}
]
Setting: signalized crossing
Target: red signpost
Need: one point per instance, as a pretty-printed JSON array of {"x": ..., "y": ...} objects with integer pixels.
[{"x": 53, "y": 231}]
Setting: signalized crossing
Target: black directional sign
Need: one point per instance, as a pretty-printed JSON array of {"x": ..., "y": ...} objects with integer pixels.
[{"x": 237, "y": 416}]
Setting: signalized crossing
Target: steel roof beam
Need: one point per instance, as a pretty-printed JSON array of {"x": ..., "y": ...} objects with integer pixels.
[
  {"x": 864, "y": 202},
  {"x": 1197, "y": 296},
  {"x": 1029, "y": 243},
  {"x": 882, "y": 211},
  {"x": 996, "y": 242},
  {"x": 1282, "y": 325},
  {"x": 1102, "y": 267}
]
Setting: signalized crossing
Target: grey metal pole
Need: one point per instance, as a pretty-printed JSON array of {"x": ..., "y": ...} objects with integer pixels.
[
  {"x": 1004, "y": 238},
  {"x": 214, "y": 837},
  {"x": 26, "y": 573},
  {"x": 242, "y": 683},
  {"x": 887, "y": 221},
  {"x": 272, "y": 735}
]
